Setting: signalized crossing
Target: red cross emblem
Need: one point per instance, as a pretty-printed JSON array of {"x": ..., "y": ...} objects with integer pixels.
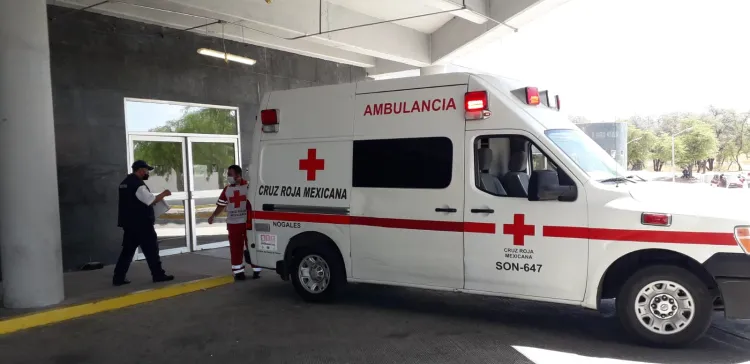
[
  {"x": 236, "y": 199},
  {"x": 312, "y": 164},
  {"x": 518, "y": 229}
]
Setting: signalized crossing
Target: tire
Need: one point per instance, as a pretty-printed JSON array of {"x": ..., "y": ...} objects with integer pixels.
[
  {"x": 687, "y": 323},
  {"x": 324, "y": 259}
]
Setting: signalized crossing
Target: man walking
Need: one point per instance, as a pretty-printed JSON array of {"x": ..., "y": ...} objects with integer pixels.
[
  {"x": 234, "y": 199},
  {"x": 136, "y": 218}
]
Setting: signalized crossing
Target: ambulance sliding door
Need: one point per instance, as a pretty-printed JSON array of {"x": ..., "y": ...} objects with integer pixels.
[{"x": 407, "y": 194}]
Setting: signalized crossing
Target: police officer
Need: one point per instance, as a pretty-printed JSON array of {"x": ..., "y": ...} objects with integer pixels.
[{"x": 136, "y": 218}]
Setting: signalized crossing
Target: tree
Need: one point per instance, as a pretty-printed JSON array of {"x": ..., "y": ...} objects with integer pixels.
[
  {"x": 662, "y": 151},
  {"x": 698, "y": 143},
  {"x": 640, "y": 144},
  {"x": 166, "y": 157}
]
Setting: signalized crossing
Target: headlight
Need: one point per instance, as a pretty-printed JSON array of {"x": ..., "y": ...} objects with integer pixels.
[{"x": 742, "y": 235}]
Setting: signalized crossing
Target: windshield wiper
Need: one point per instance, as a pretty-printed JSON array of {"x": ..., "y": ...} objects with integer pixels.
[
  {"x": 636, "y": 176},
  {"x": 618, "y": 180}
]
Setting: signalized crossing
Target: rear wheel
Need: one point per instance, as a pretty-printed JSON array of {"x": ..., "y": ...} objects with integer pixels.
[
  {"x": 316, "y": 274},
  {"x": 664, "y": 306}
]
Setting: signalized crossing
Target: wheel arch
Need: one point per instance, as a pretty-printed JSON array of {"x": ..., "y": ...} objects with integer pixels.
[
  {"x": 309, "y": 239},
  {"x": 621, "y": 269}
]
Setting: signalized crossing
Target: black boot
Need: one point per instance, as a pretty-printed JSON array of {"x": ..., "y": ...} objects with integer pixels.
[
  {"x": 240, "y": 276},
  {"x": 163, "y": 278},
  {"x": 120, "y": 282},
  {"x": 256, "y": 275}
]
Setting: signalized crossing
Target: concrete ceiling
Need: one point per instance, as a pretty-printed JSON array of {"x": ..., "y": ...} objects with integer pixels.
[{"x": 452, "y": 28}]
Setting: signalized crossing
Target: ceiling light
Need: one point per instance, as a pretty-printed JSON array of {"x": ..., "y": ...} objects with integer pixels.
[{"x": 226, "y": 56}]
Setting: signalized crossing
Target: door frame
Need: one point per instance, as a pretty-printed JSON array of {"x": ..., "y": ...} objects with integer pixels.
[
  {"x": 192, "y": 194},
  {"x": 183, "y": 197}
]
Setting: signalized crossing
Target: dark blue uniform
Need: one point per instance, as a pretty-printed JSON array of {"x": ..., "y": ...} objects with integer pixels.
[{"x": 137, "y": 221}]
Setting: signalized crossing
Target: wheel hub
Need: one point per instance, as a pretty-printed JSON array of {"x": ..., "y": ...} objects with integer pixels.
[
  {"x": 663, "y": 306},
  {"x": 314, "y": 273}
]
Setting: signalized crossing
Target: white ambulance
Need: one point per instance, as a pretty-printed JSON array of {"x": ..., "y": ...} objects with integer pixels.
[{"x": 479, "y": 184}]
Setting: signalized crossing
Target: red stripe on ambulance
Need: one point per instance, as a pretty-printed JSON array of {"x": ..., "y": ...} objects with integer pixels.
[
  {"x": 644, "y": 236},
  {"x": 429, "y": 225},
  {"x": 403, "y": 107}
]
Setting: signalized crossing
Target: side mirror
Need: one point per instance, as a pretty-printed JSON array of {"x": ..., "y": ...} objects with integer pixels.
[{"x": 545, "y": 186}]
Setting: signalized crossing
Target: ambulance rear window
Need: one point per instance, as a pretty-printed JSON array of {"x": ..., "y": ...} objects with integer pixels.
[{"x": 417, "y": 163}]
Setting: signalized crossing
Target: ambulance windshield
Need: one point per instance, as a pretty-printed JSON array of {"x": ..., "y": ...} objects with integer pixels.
[{"x": 584, "y": 152}]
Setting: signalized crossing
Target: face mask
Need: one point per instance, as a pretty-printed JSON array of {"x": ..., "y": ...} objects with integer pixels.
[{"x": 230, "y": 180}]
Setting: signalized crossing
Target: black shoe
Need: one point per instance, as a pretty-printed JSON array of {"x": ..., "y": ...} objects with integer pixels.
[
  {"x": 119, "y": 282},
  {"x": 240, "y": 276},
  {"x": 164, "y": 278},
  {"x": 256, "y": 275}
]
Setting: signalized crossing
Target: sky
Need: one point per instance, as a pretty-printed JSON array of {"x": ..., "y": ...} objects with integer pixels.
[{"x": 612, "y": 59}]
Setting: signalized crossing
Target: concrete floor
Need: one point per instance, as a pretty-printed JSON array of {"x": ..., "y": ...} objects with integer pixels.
[{"x": 264, "y": 321}]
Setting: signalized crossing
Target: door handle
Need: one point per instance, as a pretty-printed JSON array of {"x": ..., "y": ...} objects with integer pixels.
[
  {"x": 482, "y": 211},
  {"x": 445, "y": 209}
]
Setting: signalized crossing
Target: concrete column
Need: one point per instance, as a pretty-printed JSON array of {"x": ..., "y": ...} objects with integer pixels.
[
  {"x": 433, "y": 70},
  {"x": 29, "y": 212}
]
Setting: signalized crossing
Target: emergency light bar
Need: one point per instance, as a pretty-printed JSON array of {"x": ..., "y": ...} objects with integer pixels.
[
  {"x": 270, "y": 120},
  {"x": 532, "y": 96},
  {"x": 476, "y": 105}
]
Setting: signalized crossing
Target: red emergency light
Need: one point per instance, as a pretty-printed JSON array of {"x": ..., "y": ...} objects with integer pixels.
[
  {"x": 270, "y": 120},
  {"x": 476, "y": 105},
  {"x": 532, "y": 96},
  {"x": 648, "y": 218}
]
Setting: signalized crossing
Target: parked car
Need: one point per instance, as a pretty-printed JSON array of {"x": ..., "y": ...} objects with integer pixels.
[{"x": 729, "y": 180}]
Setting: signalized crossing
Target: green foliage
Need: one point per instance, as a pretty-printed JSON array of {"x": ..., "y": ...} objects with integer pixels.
[
  {"x": 717, "y": 139},
  {"x": 640, "y": 144},
  {"x": 166, "y": 157},
  {"x": 699, "y": 143}
]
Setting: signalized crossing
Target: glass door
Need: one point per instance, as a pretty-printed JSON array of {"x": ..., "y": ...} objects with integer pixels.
[
  {"x": 169, "y": 158},
  {"x": 209, "y": 158}
]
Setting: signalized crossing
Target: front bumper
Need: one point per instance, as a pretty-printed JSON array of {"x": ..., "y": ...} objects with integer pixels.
[{"x": 732, "y": 274}]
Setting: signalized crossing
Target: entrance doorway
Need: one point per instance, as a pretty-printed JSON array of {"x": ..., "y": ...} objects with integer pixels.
[{"x": 192, "y": 166}]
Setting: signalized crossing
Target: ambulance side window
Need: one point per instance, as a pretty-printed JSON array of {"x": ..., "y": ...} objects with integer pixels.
[
  {"x": 413, "y": 163},
  {"x": 504, "y": 164}
]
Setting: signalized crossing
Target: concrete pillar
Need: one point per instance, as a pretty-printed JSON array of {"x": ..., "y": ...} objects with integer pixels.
[
  {"x": 29, "y": 212},
  {"x": 433, "y": 70}
]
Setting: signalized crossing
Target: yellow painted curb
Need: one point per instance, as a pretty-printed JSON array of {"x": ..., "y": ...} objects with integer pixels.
[{"x": 85, "y": 309}]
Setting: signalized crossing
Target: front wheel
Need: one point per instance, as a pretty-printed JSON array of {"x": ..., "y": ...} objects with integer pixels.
[
  {"x": 316, "y": 274},
  {"x": 664, "y": 306}
]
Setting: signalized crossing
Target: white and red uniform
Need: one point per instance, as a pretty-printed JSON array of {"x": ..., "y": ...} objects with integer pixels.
[{"x": 238, "y": 209}]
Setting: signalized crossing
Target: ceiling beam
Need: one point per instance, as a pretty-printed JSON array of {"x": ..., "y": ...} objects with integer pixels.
[
  {"x": 476, "y": 10},
  {"x": 178, "y": 20},
  {"x": 459, "y": 36},
  {"x": 303, "y": 18}
]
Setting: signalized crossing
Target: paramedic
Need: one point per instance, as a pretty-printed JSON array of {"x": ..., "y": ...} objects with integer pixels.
[
  {"x": 234, "y": 199},
  {"x": 136, "y": 218}
]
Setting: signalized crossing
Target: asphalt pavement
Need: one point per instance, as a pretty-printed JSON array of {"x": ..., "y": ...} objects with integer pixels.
[{"x": 264, "y": 321}]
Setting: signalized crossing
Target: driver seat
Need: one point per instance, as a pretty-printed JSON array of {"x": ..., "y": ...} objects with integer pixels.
[{"x": 516, "y": 181}]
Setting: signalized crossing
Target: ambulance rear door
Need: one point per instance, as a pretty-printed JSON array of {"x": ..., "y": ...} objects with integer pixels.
[
  {"x": 304, "y": 169},
  {"x": 407, "y": 194}
]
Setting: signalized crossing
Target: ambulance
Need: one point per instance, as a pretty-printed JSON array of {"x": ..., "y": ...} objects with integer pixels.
[{"x": 479, "y": 184}]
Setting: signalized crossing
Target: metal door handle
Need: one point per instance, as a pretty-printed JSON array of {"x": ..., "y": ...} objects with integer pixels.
[
  {"x": 445, "y": 209},
  {"x": 482, "y": 211}
]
